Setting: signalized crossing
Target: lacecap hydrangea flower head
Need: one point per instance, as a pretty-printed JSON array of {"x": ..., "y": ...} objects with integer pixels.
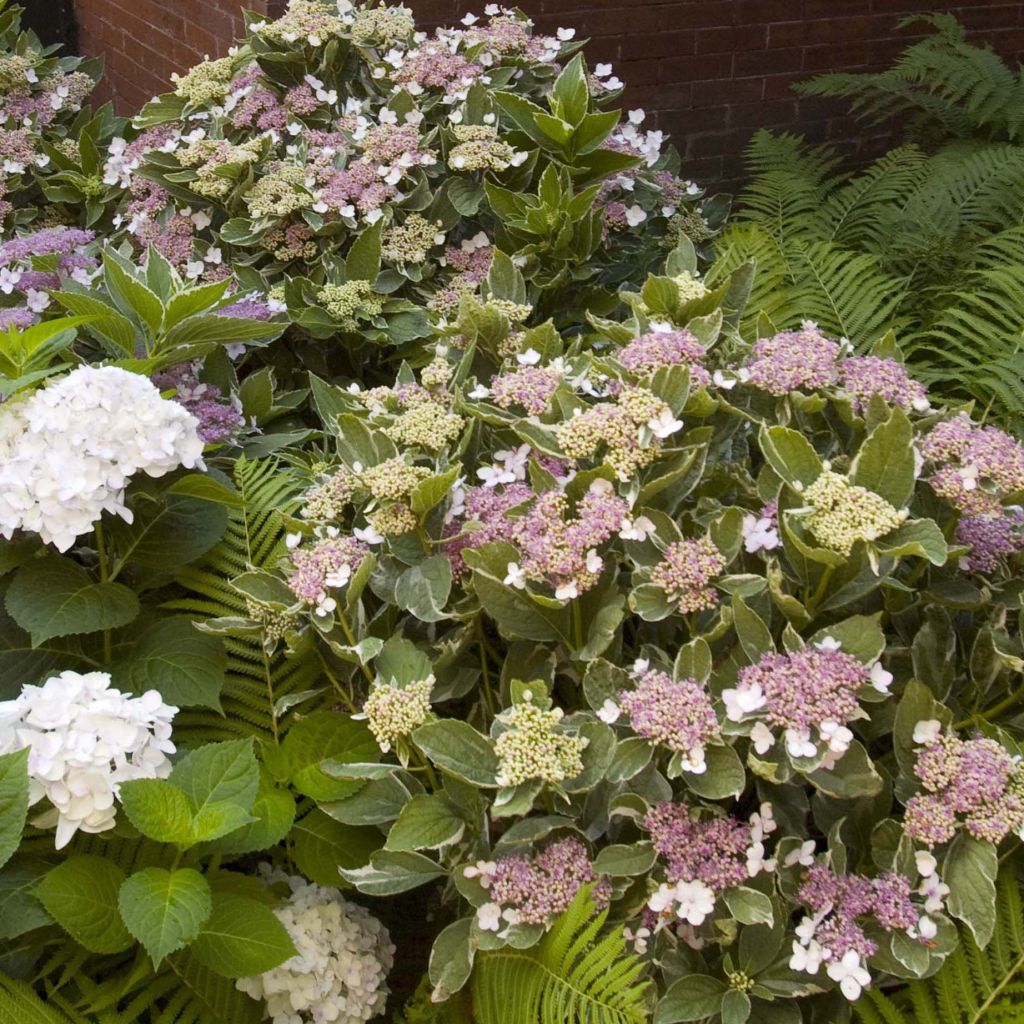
[
  {"x": 69, "y": 450},
  {"x": 85, "y": 738}
]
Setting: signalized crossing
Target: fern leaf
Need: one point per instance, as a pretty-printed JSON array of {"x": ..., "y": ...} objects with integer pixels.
[
  {"x": 19, "y": 1004},
  {"x": 574, "y": 975},
  {"x": 254, "y": 539}
]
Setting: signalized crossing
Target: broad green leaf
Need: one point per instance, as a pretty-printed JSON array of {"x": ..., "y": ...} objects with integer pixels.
[
  {"x": 451, "y": 958},
  {"x": 165, "y": 910},
  {"x": 970, "y": 872},
  {"x": 316, "y": 738},
  {"x": 159, "y": 810},
  {"x": 724, "y": 777},
  {"x": 53, "y": 597},
  {"x": 423, "y": 589},
  {"x": 790, "y": 454},
  {"x": 132, "y": 297},
  {"x": 242, "y": 938},
  {"x": 852, "y": 776},
  {"x": 363, "y": 260},
  {"x": 187, "y": 667},
  {"x": 427, "y": 822},
  {"x": 390, "y": 873},
  {"x": 691, "y": 997},
  {"x": 13, "y": 801},
  {"x": 456, "y": 747},
  {"x": 920, "y": 537},
  {"x": 273, "y": 812},
  {"x": 624, "y": 860},
  {"x": 323, "y": 847},
  {"x": 81, "y": 895},
  {"x": 885, "y": 462},
  {"x": 749, "y": 906},
  {"x": 218, "y": 773}
]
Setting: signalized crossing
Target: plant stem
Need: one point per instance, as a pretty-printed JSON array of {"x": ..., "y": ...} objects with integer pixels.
[
  {"x": 345, "y": 694},
  {"x": 270, "y": 696},
  {"x": 819, "y": 593},
  {"x": 488, "y": 691},
  {"x": 993, "y": 712},
  {"x": 577, "y": 624},
  {"x": 347, "y": 630}
]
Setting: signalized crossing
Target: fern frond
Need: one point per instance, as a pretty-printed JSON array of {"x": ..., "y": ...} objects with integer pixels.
[
  {"x": 946, "y": 84},
  {"x": 846, "y": 293},
  {"x": 19, "y": 1004},
  {"x": 973, "y": 986},
  {"x": 255, "y": 538},
  {"x": 573, "y": 976}
]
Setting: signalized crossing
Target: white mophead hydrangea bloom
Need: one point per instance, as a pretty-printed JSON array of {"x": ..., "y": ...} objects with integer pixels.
[
  {"x": 85, "y": 739},
  {"x": 68, "y": 450},
  {"x": 340, "y": 970}
]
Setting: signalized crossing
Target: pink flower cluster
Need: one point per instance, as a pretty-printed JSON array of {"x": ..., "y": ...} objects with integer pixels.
[
  {"x": 991, "y": 538},
  {"x": 561, "y": 549},
  {"x": 841, "y": 902},
  {"x": 974, "y": 783},
  {"x": 977, "y": 466},
  {"x": 538, "y": 888},
  {"x": 327, "y": 565},
  {"x": 814, "y": 689},
  {"x": 677, "y": 715},
  {"x": 435, "y": 66},
  {"x": 685, "y": 574},
  {"x": 219, "y": 418},
  {"x": 709, "y": 850},
  {"x": 656, "y": 349},
  {"x": 862, "y": 377},
  {"x": 487, "y": 508},
  {"x": 794, "y": 361},
  {"x": 529, "y": 387}
]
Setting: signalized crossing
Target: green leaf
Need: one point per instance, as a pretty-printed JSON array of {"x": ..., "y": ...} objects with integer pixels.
[
  {"x": 920, "y": 537},
  {"x": 53, "y": 596},
  {"x": 885, "y": 462},
  {"x": 13, "y": 801},
  {"x": 624, "y": 860},
  {"x": 242, "y": 938},
  {"x": 427, "y": 821},
  {"x": 390, "y": 873},
  {"x": 790, "y": 454},
  {"x": 273, "y": 813},
  {"x": 363, "y": 260},
  {"x": 316, "y": 738},
  {"x": 207, "y": 488},
  {"x": 570, "y": 92},
  {"x": 159, "y": 810},
  {"x": 187, "y": 667},
  {"x": 131, "y": 296},
  {"x": 165, "y": 910},
  {"x": 423, "y": 589},
  {"x": 451, "y": 958},
  {"x": 754, "y": 636},
  {"x": 735, "y": 1007},
  {"x": 970, "y": 872},
  {"x": 691, "y": 997},
  {"x": 749, "y": 906},
  {"x": 852, "y": 776},
  {"x": 81, "y": 895},
  {"x": 218, "y": 773},
  {"x": 724, "y": 777},
  {"x": 456, "y": 747},
  {"x": 321, "y": 847}
]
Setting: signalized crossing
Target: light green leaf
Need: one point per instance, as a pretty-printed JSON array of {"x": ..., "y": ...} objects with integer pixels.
[
  {"x": 790, "y": 454},
  {"x": 920, "y": 537},
  {"x": 423, "y": 589},
  {"x": 724, "y": 776},
  {"x": 218, "y": 773},
  {"x": 624, "y": 860},
  {"x": 427, "y": 822},
  {"x": 165, "y": 910},
  {"x": 159, "y": 810},
  {"x": 390, "y": 873},
  {"x": 691, "y": 997},
  {"x": 242, "y": 938},
  {"x": 885, "y": 462},
  {"x": 970, "y": 872},
  {"x": 316, "y": 738},
  {"x": 81, "y": 895}
]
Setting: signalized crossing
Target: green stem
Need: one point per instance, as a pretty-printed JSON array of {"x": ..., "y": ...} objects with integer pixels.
[
  {"x": 819, "y": 593},
  {"x": 268, "y": 676},
  {"x": 577, "y": 624},
  {"x": 488, "y": 691},
  {"x": 993, "y": 712},
  {"x": 347, "y": 630},
  {"x": 345, "y": 694},
  {"x": 101, "y": 552}
]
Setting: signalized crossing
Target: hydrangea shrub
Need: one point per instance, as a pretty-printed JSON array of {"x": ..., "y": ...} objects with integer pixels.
[{"x": 659, "y": 668}]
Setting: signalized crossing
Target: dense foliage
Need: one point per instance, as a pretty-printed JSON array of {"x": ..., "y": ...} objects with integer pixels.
[
  {"x": 669, "y": 662},
  {"x": 928, "y": 238}
]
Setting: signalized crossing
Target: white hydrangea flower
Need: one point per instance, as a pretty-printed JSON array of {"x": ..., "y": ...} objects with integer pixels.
[
  {"x": 68, "y": 451},
  {"x": 84, "y": 740},
  {"x": 341, "y": 965}
]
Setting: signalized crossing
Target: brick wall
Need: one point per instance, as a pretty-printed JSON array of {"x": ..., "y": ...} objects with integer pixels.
[{"x": 709, "y": 71}]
